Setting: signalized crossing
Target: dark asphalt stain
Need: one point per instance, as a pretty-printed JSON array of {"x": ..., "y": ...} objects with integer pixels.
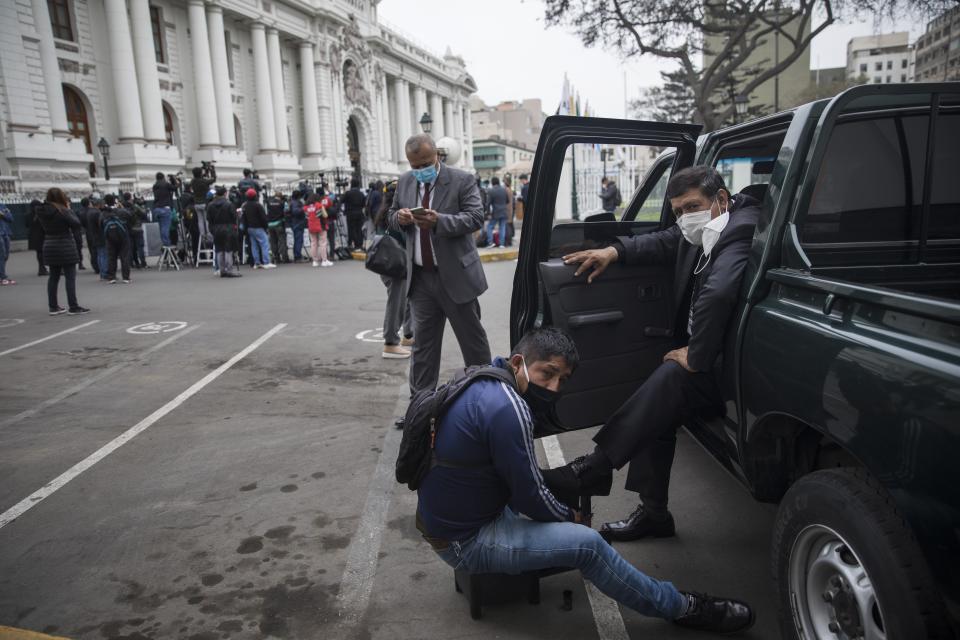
[
  {"x": 375, "y": 449},
  {"x": 231, "y": 625},
  {"x": 158, "y": 555},
  {"x": 333, "y": 541},
  {"x": 280, "y": 533},
  {"x": 296, "y": 582},
  {"x": 322, "y": 521},
  {"x": 198, "y": 555},
  {"x": 294, "y": 475},
  {"x": 417, "y": 576},
  {"x": 211, "y": 579},
  {"x": 406, "y": 527},
  {"x": 195, "y": 600},
  {"x": 279, "y": 553},
  {"x": 317, "y": 475},
  {"x": 249, "y": 487},
  {"x": 289, "y": 488},
  {"x": 282, "y": 605},
  {"x": 209, "y": 608},
  {"x": 231, "y": 569},
  {"x": 250, "y": 545},
  {"x": 204, "y": 635}
]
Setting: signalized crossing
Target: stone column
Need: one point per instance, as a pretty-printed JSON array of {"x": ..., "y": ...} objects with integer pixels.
[
  {"x": 384, "y": 116},
  {"x": 129, "y": 122},
  {"x": 221, "y": 76},
  {"x": 420, "y": 107},
  {"x": 311, "y": 114},
  {"x": 146, "y": 63},
  {"x": 468, "y": 138},
  {"x": 51, "y": 68},
  {"x": 276, "y": 89},
  {"x": 209, "y": 130},
  {"x": 261, "y": 77},
  {"x": 402, "y": 93},
  {"x": 448, "y": 125},
  {"x": 461, "y": 133},
  {"x": 436, "y": 112}
]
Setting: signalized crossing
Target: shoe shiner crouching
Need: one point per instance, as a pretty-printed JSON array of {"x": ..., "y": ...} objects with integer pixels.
[{"x": 484, "y": 506}]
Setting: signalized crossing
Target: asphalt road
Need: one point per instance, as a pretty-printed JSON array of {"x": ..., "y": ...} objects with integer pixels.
[{"x": 262, "y": 504}]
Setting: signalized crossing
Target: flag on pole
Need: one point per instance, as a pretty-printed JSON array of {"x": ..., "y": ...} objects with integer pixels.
[{"x": 564, "y": 108}]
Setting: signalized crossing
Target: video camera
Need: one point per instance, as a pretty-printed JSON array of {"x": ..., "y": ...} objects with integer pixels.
[{"x": 207, "y": 169}]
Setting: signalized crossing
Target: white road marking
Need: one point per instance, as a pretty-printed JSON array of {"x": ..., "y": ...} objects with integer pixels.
[
  {"x": 57, "y": 483},
  {"x": 59, "y": 333},
  {"x": 6, "y": 323},
  {"x": 363, "y": 555},
  {"x": 606, "y": 611},
  {"x": 77, "y": 388},
  {"x": 371, "y": 335},
  {"x": 157, "y": 327}
]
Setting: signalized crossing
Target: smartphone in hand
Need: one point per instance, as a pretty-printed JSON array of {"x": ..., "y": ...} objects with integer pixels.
[{"x": 419, "y": 211}]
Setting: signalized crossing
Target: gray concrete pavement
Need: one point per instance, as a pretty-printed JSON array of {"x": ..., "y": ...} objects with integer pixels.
[{"x": 243, "y": 511}]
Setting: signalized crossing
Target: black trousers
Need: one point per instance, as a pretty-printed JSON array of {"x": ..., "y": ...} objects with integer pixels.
[
  {"x": 355, "y": 230},
  {"x": 278, "y": 243},
  {"x": 118, "y": 246},
  {"x": 78, "y": 240},
  {"x": 69, "y": 272},
  {"x": 643, "y": 431}
]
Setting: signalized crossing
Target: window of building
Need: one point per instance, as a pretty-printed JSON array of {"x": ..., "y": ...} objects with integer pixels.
[
  {"x": 60, "y": 19},
  {"x": 77, "y": 121},
  {"x": 878, "y": 66},
  {"x": 889, "y": 79},
  {"x": 863, "y": 68},
  {"x": 156, "y": 22},
  {"x": 168, "y": 124},
  {"x": 903, "y": 77},
  {"x": 889, "y": 64},
  {"x": 238, "y": 132},
  {"x": 229, "y": 47},
  {"x": 903, "y": 63},
  {"x": 877, "y": 79}
]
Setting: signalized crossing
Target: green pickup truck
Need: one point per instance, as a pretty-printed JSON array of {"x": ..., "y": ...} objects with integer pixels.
[{"x": 841, "y": 369}]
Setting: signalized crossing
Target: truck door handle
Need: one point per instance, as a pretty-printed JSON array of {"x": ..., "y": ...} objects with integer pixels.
[{"x": 600, "y": 317}]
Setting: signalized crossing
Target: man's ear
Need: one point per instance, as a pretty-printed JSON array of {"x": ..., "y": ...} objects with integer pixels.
[{"x": 516, "y": 361}]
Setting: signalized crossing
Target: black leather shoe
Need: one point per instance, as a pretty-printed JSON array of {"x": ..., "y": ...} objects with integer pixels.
[
  {"x": 582, "y": 477},
  {"x": 719, "y": 615},
  {"x": 639, "y": 524}
]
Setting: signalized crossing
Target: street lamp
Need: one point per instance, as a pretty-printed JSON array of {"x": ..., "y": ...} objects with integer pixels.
[
  {"x": 104, "y": 147},
  {"x": 426, "y": 122},
  {"x": 740, "y": 104}
]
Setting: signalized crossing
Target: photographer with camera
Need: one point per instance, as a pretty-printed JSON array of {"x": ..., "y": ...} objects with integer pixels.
[
  {"x": 203, "y": 178},
  {"x": 164, "y": 193},
  {"x": 138, "y": 216},
  {"x": 248, "y": 182},
  {"x": 276, "y": 228}
]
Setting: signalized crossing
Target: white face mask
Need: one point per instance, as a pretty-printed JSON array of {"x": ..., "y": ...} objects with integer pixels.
[
  {"x": 710, "y": 235},
  {"x": 692, "y": 224}
]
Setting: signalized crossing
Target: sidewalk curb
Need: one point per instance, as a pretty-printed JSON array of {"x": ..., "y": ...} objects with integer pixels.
[
  {"x": 501, "y": 255},
  {"x": 9, "y": 633}
]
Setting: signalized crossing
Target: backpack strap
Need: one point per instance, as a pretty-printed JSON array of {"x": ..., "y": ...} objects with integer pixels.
[{"x": 441, "y": 408}]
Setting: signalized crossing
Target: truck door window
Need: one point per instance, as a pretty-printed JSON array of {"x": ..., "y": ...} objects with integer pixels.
[
  {"x": 945, "y": 190},
  {"x": 869, "y": 192}
]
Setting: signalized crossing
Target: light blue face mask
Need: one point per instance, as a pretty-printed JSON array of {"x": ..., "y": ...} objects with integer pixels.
[{"x": 425, "y": 175}]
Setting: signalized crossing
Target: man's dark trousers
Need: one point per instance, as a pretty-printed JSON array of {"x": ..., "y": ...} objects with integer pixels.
[
  {"x": 643, "y": 431},
  {"x": 431, "y": 307},
  {"x": 118, "y": 246}
]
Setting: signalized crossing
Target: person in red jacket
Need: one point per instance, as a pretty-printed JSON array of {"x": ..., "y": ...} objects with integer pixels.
[{"x": 318, "y": 224}]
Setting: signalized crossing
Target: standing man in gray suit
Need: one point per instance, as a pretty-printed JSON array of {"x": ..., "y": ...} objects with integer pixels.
[{"x": 439, "y": 208}]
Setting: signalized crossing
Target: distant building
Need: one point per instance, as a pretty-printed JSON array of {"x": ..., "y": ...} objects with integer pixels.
[
  {"x": 881, "y": 59},
  {"x": 496, "y": 157},
  {"x": 777, "y": 92},
  {"x": 515, "y": 122},
  {"x": 827, "y": 77},
  {"x": 938, "y": 50}
]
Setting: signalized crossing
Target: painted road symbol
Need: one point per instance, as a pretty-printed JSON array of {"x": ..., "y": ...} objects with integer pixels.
[{"x": 156, "y": 327}]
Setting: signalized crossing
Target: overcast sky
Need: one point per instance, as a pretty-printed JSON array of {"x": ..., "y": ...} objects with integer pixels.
[{"x": 512, "y": 55}]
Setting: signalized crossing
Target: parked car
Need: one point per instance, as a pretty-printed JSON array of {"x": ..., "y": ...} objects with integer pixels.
[{"x": 841, "y": 366}]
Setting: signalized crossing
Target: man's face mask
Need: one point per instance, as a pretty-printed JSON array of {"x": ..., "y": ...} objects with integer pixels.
[
  {"x": 692, "y": 224},
  {"x": 425, "y": 175},
  {"x": 540, "y": 399}
]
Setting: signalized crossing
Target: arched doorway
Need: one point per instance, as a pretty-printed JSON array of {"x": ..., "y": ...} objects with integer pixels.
[
  {"x": 169, "y": 124},
  {"x": 238, "y": 132},
  {"x": 353, "y": 148},
  {"x": 77, "y": 121}
]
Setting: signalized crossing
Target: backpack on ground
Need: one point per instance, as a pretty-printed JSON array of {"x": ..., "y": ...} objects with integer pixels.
[{"x": 416, "y": 456}]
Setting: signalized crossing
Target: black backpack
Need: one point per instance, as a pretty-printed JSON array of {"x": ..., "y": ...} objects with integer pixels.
[{"x": 416, "y": 456}]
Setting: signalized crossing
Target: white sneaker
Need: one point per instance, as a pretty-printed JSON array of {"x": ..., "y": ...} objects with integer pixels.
[
  {"x": 326, "y": 263},
  {"x": 316, "y": 264},
  {"x": 269, "y": 265},
  {"x": 395, "y": 352},
  {"x": 258, "y": 266}
]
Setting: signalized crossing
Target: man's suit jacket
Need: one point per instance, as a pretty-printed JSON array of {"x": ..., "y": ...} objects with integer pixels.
[
  {"x": 714, "y": 291},
  {"x": 456, "y": 200}
]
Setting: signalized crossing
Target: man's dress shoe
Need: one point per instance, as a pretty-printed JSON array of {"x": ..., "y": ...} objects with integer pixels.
[{"x": 639, "y": 524}]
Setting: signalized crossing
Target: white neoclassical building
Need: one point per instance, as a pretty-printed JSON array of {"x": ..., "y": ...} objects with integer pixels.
[{"x": 287, "y": 87}]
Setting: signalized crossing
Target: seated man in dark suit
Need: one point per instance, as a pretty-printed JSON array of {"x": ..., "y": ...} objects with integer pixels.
[{"x": 709, "y": 245}]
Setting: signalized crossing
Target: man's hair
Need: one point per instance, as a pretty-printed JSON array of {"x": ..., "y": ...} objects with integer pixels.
[
  {"x": 545, "y": 343},
  {"x": 160, "y": 175},
  {"x": 84, "y": 202},
  {"x": 354, "y": 183},
  {"x": 495, "y": 181},
  {"x": 418, "y": 140},
  {"x": 221, "y": 190},
  {"x": 702, "y": 177},
  {"x": 524, "y": 176},
  {"x": 110, "y": 200},
  {"x": 246, "y": 173},
  {"x": 127, "y": 196},
  {"x": 197, "y": 172}
]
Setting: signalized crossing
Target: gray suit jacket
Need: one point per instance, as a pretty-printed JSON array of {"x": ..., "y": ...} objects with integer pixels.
[{"x": 457, "y": 201}]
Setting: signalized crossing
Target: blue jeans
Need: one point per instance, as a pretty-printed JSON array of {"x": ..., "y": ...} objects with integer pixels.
[
  {"x": 164, "y": 215},
  {"x": 259, "y": 246},
  {"x": 297, "y": 240},
  {"x": 102, "y": 262},
  {"x": 503, "y": 230},
  {"x": 4, "y": 254},
  {"x": 513, "y": 544}
]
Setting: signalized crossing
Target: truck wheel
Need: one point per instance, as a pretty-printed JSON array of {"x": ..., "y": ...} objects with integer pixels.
[{"x": 847, "y": 566}]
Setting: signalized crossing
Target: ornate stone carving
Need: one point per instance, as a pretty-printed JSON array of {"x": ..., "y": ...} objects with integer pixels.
[
  {"x": 353, "y": 87},
  {"x": 335, "y": 57}
]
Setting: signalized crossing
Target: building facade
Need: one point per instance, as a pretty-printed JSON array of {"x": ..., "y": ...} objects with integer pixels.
[
  {"x": 938, "y": 49},
  {"x": 288, "y": 88},
  {"x": 881, "y": 59},
  {"x": 496, "y": 157},
  {"x": 519, "y": 123}
]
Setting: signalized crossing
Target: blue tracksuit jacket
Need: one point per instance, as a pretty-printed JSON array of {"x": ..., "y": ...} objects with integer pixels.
[{"x": 489, "y": 424}]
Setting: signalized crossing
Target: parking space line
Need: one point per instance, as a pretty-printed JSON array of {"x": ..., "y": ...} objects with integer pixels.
[
  {"x": 77, "y": 388},
  {"x": 57, "y": 483},
  {"x": 59, "y": 333},
  {"x": 363, "y": 554},
  {"x": 606, "y": 611}
]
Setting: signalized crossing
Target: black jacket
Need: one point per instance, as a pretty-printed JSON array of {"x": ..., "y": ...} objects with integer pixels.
[
  {"x": 93, "y": 228},
  {"x": 714, "y": 291},
  {"x": 34, "y": 226},
  {"x": 115, "y": 218},
  {"x": 163, "y": 193},
  {"x": 222, "y": 220},
  {"x": 274, "y": 210},
  {"x": 353, "y": 202},
  {"x": 254, "y": 217},
  {"x": 59, "y": 246}
]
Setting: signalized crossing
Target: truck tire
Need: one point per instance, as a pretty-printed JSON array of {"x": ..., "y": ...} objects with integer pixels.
[{"x": 846, "y": 564}]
